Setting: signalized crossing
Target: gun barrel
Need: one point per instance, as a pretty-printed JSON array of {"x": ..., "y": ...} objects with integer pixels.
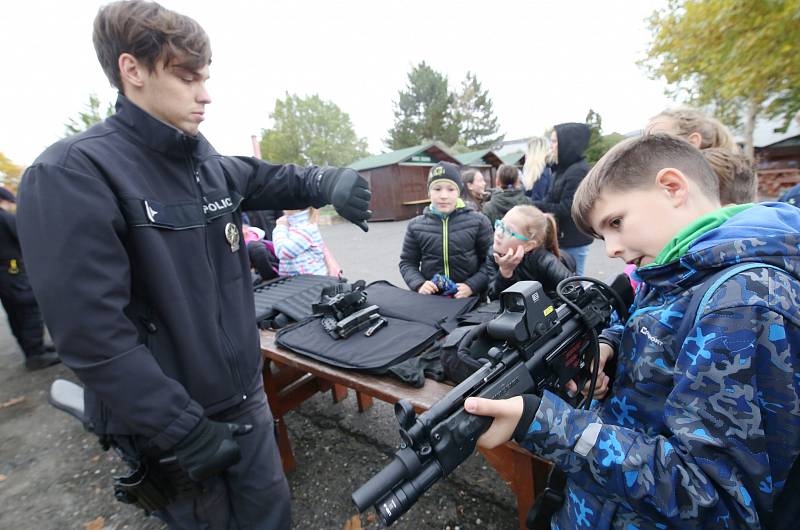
[
  {"x": 403, "y": 497},
  {"x": 403, "y": 465}
]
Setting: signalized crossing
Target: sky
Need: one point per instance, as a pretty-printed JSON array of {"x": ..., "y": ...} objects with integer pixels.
[{"x": 542, "y": 62}]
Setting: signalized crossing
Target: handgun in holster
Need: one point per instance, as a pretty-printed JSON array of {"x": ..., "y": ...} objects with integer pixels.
[{"x": 153, "y": 484}]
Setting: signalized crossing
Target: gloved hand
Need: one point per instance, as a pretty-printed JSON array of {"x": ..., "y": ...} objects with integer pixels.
[
  {"x": 348, "y": 192},
  {"x": 210, "y": 448}
]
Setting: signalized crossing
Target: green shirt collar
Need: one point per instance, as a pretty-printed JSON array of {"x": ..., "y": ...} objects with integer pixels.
[{"x": 684, "y": 239}]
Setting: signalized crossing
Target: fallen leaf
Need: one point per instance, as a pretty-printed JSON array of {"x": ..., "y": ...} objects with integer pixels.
[
  {"x": 2, "y": 478},
  {"x": 94, "y": 459},
  {"x": 354, "y": 523},
  {"x": 12, "y": 402},
  {"x": 97, "y": 524}
]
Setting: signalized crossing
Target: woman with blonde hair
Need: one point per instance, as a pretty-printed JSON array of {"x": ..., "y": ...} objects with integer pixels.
[{"x": 536, "y": 175}]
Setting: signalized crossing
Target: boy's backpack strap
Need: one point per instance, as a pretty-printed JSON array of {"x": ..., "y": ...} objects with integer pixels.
[{"x": 701, "y": 295}]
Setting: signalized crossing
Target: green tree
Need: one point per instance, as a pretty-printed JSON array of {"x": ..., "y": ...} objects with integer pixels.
[
  {"x": 10, "y": 173},
  {"x": 311, "y": 131},
  {"x": 599, "y": 144},
  {"x": 738, "y": 56},
  {"x": 423, "y": 111},
  {"x": 475, "y": 117},
  {"x": 87, "y": 118}
]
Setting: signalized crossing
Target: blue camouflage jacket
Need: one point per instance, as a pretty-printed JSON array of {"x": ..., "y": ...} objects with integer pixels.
[{"x": 699, "y": 434}]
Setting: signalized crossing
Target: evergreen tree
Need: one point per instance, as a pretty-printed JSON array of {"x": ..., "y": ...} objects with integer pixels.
[
  {"x": 423, "y": 111},
  {"x": 599, "y": 144},
  {"x": 475, "y": 117}
]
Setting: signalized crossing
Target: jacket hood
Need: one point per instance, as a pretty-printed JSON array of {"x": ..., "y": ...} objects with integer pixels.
[
  {"x": 573, "y": 139},
  {"x": 772, "y": 236}
]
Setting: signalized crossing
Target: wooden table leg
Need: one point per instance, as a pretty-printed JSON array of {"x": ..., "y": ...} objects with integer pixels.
[
  {"x": 284, "y": 445},
  {"x": 339, "y": 393},
  {"x": 520, "y": 472},
  {"x": 364, "y": 401},
  {"x": 281, "y": 432}
]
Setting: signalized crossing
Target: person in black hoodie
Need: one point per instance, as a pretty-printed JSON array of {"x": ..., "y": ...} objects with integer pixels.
[
  {"x": 448, "y": 238},
  {"x": 509, "y": 194},
  {"x": 132, "y": 234},
  {"x": 568, "y": 142},
  {"x": 526, "y": 248}
]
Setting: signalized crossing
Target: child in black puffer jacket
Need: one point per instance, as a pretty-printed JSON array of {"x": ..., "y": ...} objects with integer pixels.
[
  {"x": 448, "y": 238},
  {"x": 526, "y": 248}
]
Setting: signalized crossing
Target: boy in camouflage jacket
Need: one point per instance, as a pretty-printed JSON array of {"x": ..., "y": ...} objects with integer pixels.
[{"x": 694, "y": 433}]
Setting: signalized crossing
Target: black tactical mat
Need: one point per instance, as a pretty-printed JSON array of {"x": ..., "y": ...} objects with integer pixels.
[
  {"x": 290, "y": 295},
  {"x": 414, "y": 321},
  {"x": 395, "y": 342},
  {"x": 439, "y": 311}
]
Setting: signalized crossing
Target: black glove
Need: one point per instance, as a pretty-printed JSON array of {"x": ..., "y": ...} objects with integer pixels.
[
  {"x": 210, "y": 448},
  {"x": 348, "y": 192}
]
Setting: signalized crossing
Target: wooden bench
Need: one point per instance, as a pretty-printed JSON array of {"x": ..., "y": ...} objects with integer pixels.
[{"x": 290, "y": 379}]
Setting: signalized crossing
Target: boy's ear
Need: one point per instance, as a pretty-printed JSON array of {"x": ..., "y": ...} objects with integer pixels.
[
  {"x": 131, "y": 71},
  {"x": 675, "y": 184}
]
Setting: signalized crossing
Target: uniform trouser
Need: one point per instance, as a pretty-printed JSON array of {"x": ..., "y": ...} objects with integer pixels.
[
  {"x": 252, "y": 494},
  {"x": 23, "y": 312}
]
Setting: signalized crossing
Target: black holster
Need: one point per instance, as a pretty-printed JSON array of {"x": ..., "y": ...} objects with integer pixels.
[{"x": 154, "y": 484}]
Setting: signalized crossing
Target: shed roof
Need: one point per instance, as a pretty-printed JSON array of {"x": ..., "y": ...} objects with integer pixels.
[
  {"x": 516, "y": 158},
  {"x": 480, "y": 158},
  {"x": 435, "y": 150},
  {"x": 792, "y": 141}
]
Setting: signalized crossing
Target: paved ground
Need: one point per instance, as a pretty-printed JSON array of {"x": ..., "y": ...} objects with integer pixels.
[{"x": 53, "y": 475}]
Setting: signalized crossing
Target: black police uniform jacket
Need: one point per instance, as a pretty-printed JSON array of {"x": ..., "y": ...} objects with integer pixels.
[
  {"x": 573, "y": 139},
  {"x": 456, "y": 246},
  {"x": 130, "y": 232}
]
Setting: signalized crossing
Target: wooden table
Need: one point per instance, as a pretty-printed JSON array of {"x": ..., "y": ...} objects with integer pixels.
[{"x": 290, "y": 379}]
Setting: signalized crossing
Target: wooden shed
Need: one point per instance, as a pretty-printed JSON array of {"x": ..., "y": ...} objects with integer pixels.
[
  {"x": 398, "y": 180},
  {"x": 484, "y": 160},
  {"x": 778, "y": 166}
]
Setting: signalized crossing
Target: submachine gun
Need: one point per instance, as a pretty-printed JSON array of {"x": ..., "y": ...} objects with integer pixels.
[{"x": 544, "y": 348}]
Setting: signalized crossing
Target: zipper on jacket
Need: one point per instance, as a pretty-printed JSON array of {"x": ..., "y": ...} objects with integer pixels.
[
  {"x": 444, "y": 247},
  {"x": 227, "y": 342}
]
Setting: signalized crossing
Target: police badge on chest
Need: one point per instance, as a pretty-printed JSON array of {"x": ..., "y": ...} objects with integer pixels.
[{"x": 232, "y": 235}]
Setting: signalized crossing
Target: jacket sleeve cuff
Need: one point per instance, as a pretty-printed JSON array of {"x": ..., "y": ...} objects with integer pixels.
[
  {"x": 530, "y": 407},
  {"x": 180, "y": 427}
]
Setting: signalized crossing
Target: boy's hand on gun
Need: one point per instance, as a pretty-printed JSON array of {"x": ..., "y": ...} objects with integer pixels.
[
  {"x": 464, "y": 291},
  {"x": 508, "y": 262},
  {"x": 603, "y": 380},
  {"x": 506, "y": 412},
  {"x": 428, "y": 288}
]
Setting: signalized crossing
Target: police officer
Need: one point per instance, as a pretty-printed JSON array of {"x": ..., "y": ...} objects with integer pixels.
[
  {"x": 16, "y": 294},
  {"x": 132, "y": 234}
]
